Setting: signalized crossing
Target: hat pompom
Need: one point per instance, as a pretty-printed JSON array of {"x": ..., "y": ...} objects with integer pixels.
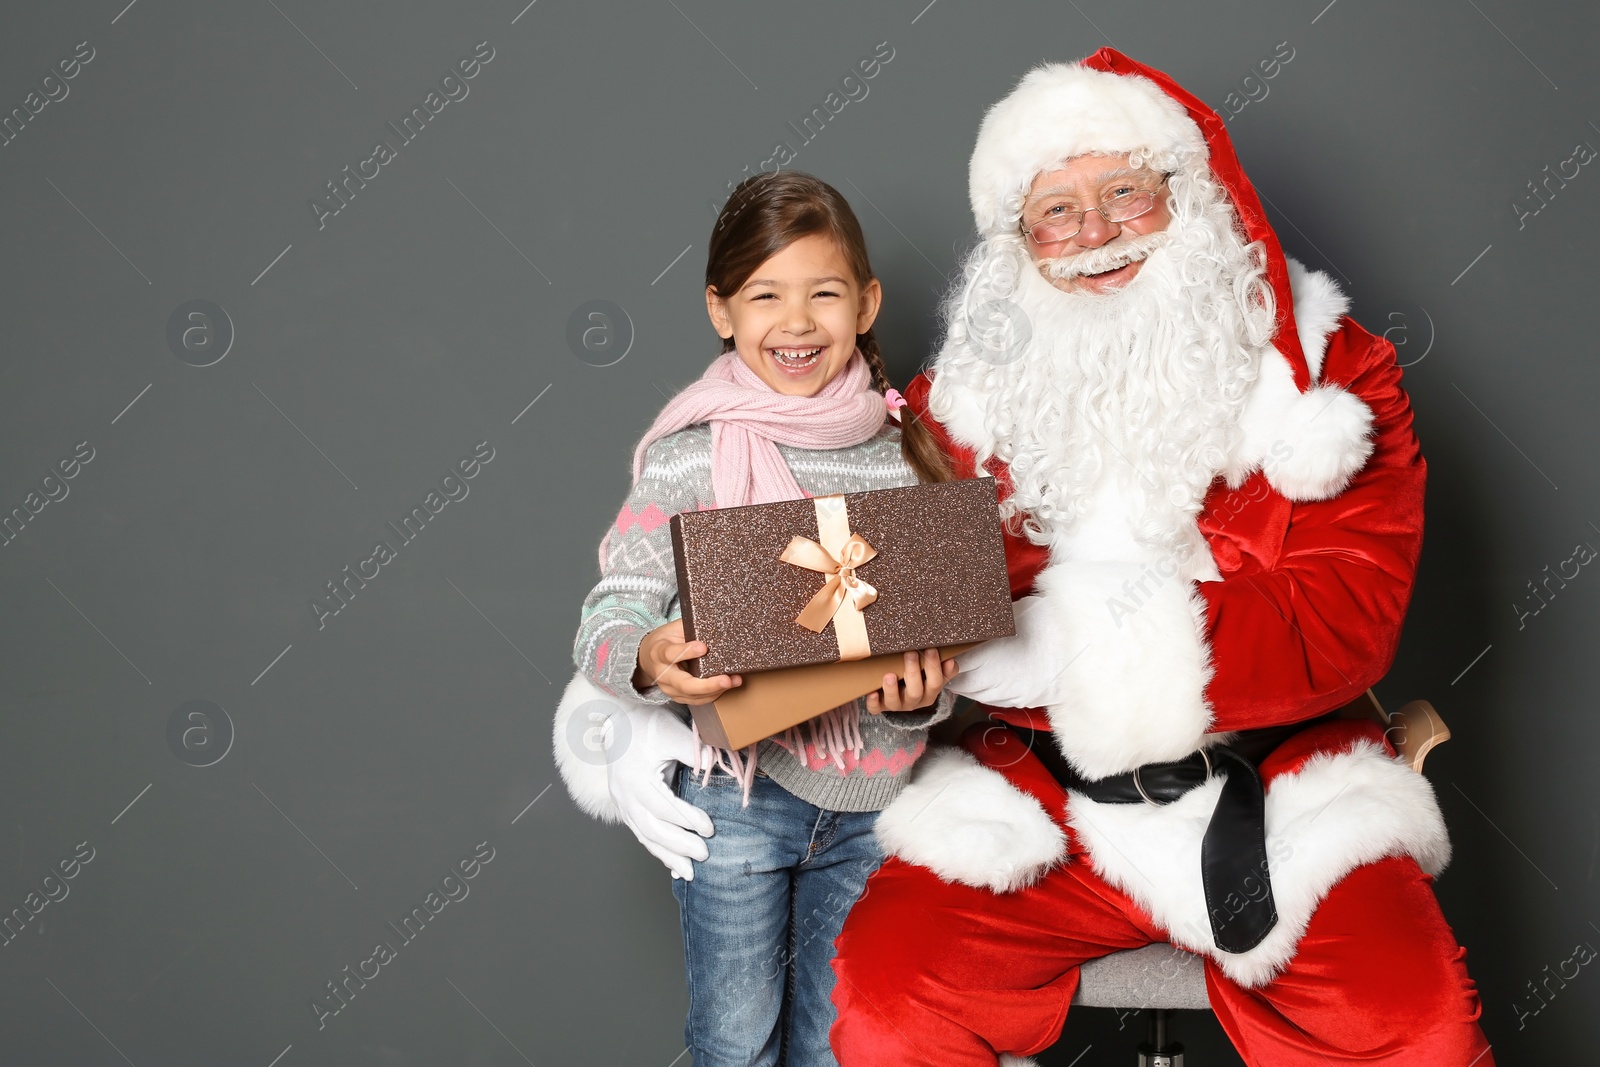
[{"x": 1308, "y": 444}]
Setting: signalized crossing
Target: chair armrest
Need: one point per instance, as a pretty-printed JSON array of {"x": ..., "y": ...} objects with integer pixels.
[{"x": 1414, "y": 730}]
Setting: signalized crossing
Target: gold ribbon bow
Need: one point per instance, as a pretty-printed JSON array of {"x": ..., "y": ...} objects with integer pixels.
[{"x": 845, "y": 593}]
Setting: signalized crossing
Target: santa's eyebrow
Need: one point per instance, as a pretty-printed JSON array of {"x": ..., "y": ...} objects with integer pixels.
[{"x": 1099, "y": 179}]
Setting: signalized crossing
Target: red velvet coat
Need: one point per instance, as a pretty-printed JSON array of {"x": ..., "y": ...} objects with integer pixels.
[
  {"x": 1305, "y": 617},
  {"x": 1308, "y": 613}
]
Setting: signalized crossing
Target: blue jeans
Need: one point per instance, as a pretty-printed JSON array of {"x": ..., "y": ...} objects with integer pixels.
[{"x": 760, "y": 919}]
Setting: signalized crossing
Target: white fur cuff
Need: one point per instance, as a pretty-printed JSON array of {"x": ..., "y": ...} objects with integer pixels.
[
  {"x": 581, "y": 737},
  {"x": 1132, "y": 639},
  {"x": 966, "y": 823}
]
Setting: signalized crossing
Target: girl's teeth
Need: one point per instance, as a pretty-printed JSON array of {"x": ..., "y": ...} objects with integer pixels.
[{"x": 796, "y": 357}]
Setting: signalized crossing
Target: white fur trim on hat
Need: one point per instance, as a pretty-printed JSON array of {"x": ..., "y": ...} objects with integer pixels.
[
  {"x": 1309, "y": 445},
  {"x": 1061, "y": 110},
  {"x": 966, "y": 823}
]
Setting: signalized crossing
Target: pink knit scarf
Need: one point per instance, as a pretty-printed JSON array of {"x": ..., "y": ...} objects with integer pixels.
[{"x": 748, "y": 420}]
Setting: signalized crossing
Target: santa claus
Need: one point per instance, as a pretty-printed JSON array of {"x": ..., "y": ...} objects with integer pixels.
[{"x": 1214, "y": 500}]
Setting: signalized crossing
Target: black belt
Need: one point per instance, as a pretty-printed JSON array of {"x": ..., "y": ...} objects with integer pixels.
[{"x": 1233, "y": 854}]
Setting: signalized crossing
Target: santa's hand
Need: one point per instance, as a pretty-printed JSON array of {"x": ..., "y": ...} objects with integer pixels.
[
  {"x": 638, "y": 775},
  {"x": 1014, "y": 672}
]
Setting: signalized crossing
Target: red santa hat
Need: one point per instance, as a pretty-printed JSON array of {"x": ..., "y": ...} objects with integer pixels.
[{"x": 1310, "y": 438}]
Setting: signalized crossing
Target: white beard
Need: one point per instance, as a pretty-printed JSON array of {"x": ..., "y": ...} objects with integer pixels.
[{"x": 1144, "y": 384}]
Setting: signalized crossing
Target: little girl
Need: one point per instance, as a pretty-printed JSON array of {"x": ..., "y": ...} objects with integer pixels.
[{"x": 797, "y": 405}]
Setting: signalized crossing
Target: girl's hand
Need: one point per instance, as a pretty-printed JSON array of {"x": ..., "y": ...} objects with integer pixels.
[
  {"x": 923, "y": 682},
  {"x": 660, "y": 652}
]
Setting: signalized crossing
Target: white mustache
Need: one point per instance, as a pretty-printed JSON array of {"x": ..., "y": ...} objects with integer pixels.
[{"x": 1118, "y": 253}]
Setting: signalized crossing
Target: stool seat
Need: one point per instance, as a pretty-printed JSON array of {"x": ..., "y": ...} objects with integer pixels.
[{"x": 1155, "y": 976}]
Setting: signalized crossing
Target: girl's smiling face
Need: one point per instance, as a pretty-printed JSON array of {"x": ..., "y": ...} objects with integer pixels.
[{"x": 795, "y": 321}]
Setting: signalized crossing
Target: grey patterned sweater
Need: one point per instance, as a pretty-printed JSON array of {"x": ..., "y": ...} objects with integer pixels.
[{"x": 638, "y": 592}]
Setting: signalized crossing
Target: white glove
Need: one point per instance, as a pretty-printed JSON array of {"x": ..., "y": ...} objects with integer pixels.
[
  {"x": 1021, "y": 671},
  {"x": 640, "y": 764}
]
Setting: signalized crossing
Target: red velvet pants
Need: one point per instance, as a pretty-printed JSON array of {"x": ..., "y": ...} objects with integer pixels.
[{"x": 947, "y": 975}]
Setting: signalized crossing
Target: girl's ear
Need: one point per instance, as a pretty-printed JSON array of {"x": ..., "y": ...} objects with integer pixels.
[
  {"x": 871, "y": 300},
  {"x": 717, "y": 309}
]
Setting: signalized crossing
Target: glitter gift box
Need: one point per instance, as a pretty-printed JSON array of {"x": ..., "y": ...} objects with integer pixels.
[{"x": 812, "y": 601}]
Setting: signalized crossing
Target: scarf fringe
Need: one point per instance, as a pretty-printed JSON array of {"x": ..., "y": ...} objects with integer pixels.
[{"x": 833, "y": 734}]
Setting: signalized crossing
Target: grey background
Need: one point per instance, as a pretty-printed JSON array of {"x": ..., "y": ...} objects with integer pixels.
[{"x": 367, "y": 757}]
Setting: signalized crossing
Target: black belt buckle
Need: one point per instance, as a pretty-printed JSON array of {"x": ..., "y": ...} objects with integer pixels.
[{"x": 1148, "y": 799}]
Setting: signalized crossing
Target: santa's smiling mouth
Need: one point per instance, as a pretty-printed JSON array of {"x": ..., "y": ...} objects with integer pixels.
[
  {"x": 1103, "y": 281},
  {"x": 1114, "y": 262}
]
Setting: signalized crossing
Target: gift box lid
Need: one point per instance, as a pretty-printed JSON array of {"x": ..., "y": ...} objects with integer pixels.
[{"x": 939, "y": 573}]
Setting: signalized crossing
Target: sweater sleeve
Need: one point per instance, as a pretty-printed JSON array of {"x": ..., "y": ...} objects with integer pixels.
[
  {"x": 638, "y": 589},
  {"x": 922, "y": 718}
]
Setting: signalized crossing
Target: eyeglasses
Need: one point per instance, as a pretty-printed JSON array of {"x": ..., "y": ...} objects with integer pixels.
[{"x": 1065, "y": 225}]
